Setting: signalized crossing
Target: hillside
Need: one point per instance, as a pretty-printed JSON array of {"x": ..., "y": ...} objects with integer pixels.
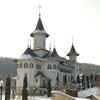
[
  {"x": 89, "y": 68},
  {"x": 7, "y": 67}
]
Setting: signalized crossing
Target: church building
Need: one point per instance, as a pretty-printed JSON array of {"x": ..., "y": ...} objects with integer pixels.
[{"x": 41, "y": 65}]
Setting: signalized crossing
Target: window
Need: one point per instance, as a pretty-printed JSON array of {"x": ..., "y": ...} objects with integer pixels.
[
  {"x": 54, "y": 66},
  {"x": 76, "y": 69},
  {"x": 31, "y": 65},
  {"x": 69, "y": 71},
  {"x": 36, "y": 80},
  {"x": 58, "y": 67},
  {"x": 61, "y": 69},
  {"x": 49, "y": 66},
  {"x": 26, "y": 65},
  {"x": 21, "y": 65},
  {"x": 25, "y": 75},
  {"x": 68, "y": 78},
  {"x": 66, "y": 70},
  {"x": 38, "y": 66}
]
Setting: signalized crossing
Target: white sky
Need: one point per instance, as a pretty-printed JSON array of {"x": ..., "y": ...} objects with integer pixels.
[{"x": 62, "y": 19}]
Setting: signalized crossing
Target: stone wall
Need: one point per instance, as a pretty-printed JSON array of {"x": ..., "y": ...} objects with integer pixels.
[{"x": 57, "y": 95}]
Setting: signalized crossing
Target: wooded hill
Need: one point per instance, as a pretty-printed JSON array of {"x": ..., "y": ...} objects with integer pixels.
[
  {"x": 7, "y": 67},
  {"x": 89, "y": 68}
]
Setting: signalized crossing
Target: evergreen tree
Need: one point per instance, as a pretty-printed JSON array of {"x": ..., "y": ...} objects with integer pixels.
[
  {"x": 64, "y": 79},
  {"x": 49, "y": 88},
  {"x": 87, "y": 81},
  {"x": 57, "y": 80},
  {"x": 91, "y": 80},
  {"x": 83, "y": 78},
  {"x": 25, "y": 90},
  {"x": 78, "y": 79},
  {"x": 7, "y": 88},
  {"x": 95, "y": 77}
]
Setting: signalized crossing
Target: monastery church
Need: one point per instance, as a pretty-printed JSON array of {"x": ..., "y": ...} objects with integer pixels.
[{"x": 41, "y": 65}]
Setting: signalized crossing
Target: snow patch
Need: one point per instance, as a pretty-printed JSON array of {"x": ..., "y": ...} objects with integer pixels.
[
  {"x": 89, "y": 92},
  {"x": 27, "y": 56}
]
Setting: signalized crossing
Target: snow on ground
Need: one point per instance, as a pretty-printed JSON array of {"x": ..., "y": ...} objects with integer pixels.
[
  {"x": 89, "y": 92},
  {"x": 35, "y": 98},
  {"x": 30, "y": 98},
  {"x": 81, "y": 95}
]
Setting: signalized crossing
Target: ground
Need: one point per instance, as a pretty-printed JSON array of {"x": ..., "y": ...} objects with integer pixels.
[{"x": 31, "y": 98}]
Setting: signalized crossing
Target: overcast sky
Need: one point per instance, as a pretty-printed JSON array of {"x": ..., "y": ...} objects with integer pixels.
[{"x": 62, "y": 19}]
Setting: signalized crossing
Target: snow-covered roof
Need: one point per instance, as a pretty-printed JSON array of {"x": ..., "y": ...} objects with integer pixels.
[{"x": 25, "y": 56}]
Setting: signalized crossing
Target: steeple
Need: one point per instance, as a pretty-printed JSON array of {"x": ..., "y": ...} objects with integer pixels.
[
  {"x": 54, "y": 51},
  {"x": 39, "y": 35},
  {"x": 72, "y": 54},
  {"x": 39, "y": 28}
]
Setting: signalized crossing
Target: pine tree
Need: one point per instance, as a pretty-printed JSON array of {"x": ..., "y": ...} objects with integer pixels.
[
  {"x": 87, "y": 81},
  {"x": 64, "y": 79},
  {"x": 57, "y": 80},
  {"x": 78, "y": 79},
  {"x": 83, "y": 78},
  {"x": 49, "y": 88},
  {"x": 25, "y": 90},
  {"x": 7, "y": 88},
  {"x": 91, "y": 79}
]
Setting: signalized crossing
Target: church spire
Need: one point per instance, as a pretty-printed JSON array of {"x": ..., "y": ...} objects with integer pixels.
[
  {"x": 72, "y": 51},
  {"x": 39, "y": 27},
  {"x": 39, "y": 34},
  {"x": 72, "y": 54}
]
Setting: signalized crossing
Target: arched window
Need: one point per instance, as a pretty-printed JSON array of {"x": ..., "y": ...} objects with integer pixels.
[
  {"x": 26, "y": 65},
  {"x": 38, "y": 66},
  {"x": 69, "y": 71},
  {"x": 54, "y": 66},
  {"x": 61, "y": 69},
  {"x": 66, "y": 70},
  {"x": 69, "y": 79},
  {"x": 49, "y": 66},
  {"x": 58, "y": 67},
  {"x": 21, "y": 65},
  {"x": 31, "y": 65}
]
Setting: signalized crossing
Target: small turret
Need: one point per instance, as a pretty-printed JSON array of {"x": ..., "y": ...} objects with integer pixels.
[{"x": 73, "y": 54}]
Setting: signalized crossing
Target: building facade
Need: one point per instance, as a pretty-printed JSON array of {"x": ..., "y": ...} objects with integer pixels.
[{"x": 40, "y": 64}]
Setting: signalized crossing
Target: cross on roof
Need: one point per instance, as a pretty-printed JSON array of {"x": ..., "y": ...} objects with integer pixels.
[
  {"x": 72, "y": 39},
  {"x": 39, "y": 9},
  {"x": 54, "y": 43}
]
